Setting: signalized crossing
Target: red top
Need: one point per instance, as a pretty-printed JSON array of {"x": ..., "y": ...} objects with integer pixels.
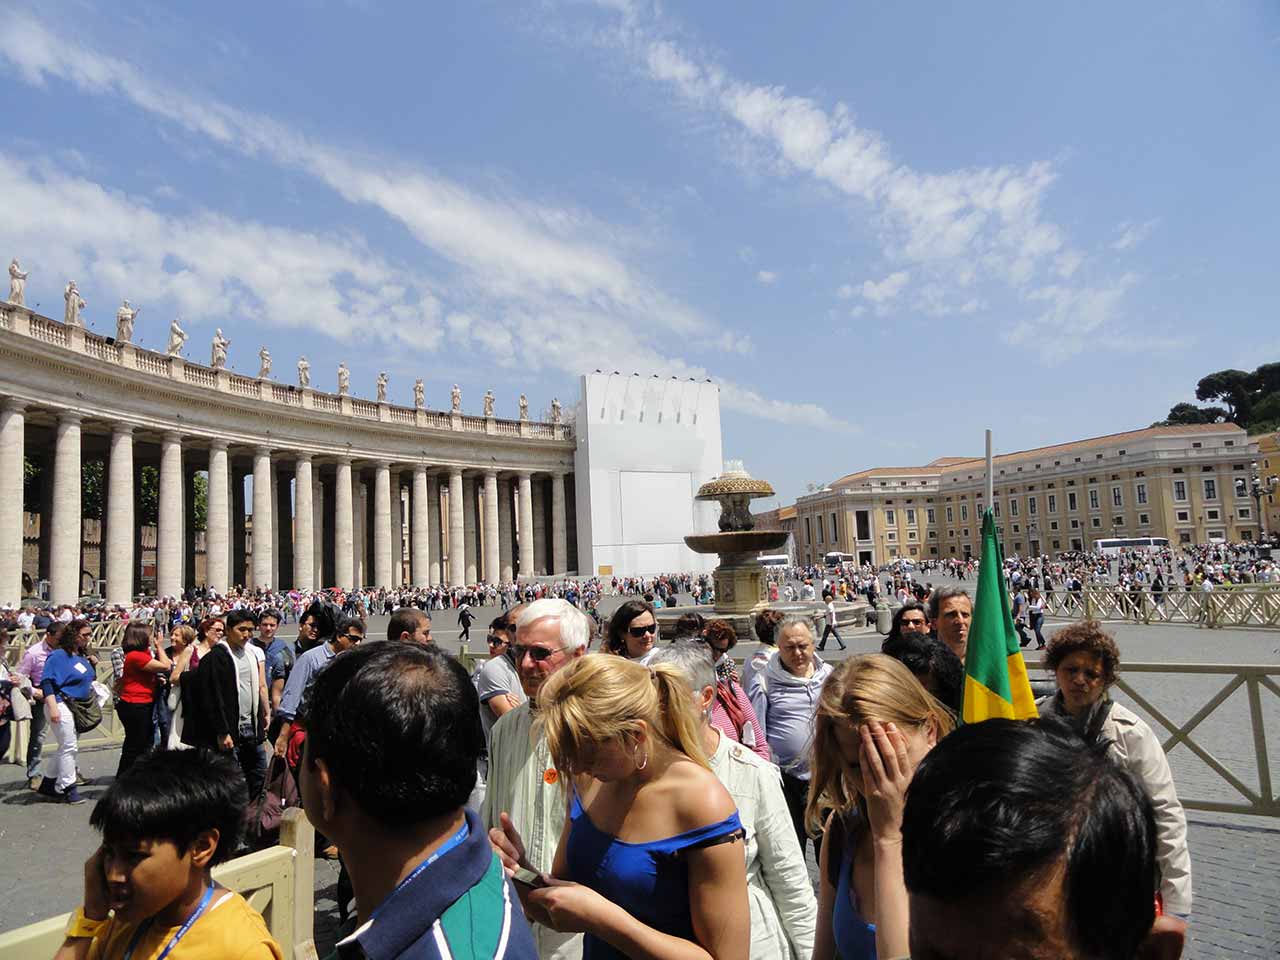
[{"x": 137, "y": 685}]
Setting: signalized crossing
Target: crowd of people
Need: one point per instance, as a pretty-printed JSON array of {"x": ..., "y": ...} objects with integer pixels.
[{"x": 594, "y": 791}]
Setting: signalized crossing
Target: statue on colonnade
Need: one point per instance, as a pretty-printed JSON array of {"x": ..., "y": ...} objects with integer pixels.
[
  {"x": 124, "y": 321},
  {"x": 304, "y": 373},
  {"x": 218, "y": 359},
  {"x": 75, "y": 303},
  {"x": 381, "y": 385},
  {"x": 264, "y": 363},
  {"x": 17, "y": 284},
  {"x": 177, "y": 338}
]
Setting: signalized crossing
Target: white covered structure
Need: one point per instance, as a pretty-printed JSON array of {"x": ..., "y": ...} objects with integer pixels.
[{"x": 645, "y": 445}]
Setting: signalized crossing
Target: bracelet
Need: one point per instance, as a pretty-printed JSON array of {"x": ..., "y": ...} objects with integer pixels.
[{"x": 81, "y": 927}]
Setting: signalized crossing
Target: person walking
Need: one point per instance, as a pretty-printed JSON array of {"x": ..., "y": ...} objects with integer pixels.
[
  {"x": 829, "y": 627},
  {"x": 32, "y": 667},
  {"x": 67, "y": 676}
]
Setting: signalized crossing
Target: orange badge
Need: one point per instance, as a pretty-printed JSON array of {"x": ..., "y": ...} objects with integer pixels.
[{"x": 551, "y": 775}]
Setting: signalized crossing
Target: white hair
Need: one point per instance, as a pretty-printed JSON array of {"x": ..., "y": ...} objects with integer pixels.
[
  {"x": 693, "y": 659},
  {"x": 575, "y": 628}
]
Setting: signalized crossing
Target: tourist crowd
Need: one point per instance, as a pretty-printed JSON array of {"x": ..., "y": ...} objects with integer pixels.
[{"x": 590, "y": 791}]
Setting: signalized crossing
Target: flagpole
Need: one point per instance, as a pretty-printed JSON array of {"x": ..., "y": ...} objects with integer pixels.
[{"x": 991, "y": 498}]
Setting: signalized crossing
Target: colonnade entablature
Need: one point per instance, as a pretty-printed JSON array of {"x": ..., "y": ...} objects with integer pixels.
[{"x": 346, "y": 492}]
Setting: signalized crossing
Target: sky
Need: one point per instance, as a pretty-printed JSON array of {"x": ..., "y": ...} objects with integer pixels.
[{"x": 881, "y": 228}]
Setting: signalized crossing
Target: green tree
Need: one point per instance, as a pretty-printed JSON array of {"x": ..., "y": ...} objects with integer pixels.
[
  {"x": 1235, "y": 388},
  {"x": 93, "y": 492}
]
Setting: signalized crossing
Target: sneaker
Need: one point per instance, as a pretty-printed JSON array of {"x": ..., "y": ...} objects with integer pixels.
[
  {"x": 73, "y": 795},
  {"x": 48, "y": 788}
]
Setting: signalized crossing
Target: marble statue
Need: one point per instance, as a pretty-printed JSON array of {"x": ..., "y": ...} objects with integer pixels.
[
  {"x": 264, "y": 363},
  {"x": 344, "y": 379},
  {"x": 304, "y": 373},
  {"x": 488, "y": 403},
  {"x": 555, "y": 410},
  {"x": 419, "y": 394},
  {"x": 455, "y": 399},
  {"x": 177, "y": 338},
  {"x": 218, "y": 359},
  {"x": 75, "y": 303},
  {"x": 524, "y": 407},
  {"x": 124, "y": 321},
  {"x": 17, "y": 284},
  {"x": 382, "y": 387}
]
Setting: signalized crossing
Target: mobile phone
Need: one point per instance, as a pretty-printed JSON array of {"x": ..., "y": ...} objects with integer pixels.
[{"x": 530, "y": 879}]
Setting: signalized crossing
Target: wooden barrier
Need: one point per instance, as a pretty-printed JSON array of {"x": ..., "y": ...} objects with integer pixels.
[{"x": 278, "y": 882}]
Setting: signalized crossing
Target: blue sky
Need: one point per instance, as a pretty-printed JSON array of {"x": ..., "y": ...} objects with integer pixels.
[{"x": 881, "y": 227}]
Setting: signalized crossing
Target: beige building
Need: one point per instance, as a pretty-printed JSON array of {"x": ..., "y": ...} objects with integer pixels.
[
  {"x": 1189, "y": 484},
  {"x": 1267, "y": 459}
]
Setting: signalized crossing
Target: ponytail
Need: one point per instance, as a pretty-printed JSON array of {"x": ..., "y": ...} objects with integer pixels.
[{"x": 677, "y": 714}]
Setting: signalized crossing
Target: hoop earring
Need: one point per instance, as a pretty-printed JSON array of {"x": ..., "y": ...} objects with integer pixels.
[{"x": 640, "y": 764}]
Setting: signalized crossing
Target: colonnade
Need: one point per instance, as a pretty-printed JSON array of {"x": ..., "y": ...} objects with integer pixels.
[{"x": 316, "y": 519}]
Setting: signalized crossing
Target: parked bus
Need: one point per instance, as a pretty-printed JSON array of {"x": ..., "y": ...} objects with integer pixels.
[
  {"x": 834, "y": 560},
  {"x": 1112, "y": 547},
  {"x": 775, "y": 560}
]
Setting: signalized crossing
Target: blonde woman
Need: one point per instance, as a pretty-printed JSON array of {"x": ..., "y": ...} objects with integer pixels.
[
  {"x": 182, "y": 653},
  {"x": 874, "y": 724},
  {"x": 650, "y": 863}
]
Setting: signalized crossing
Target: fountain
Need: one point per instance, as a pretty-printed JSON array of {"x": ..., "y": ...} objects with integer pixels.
[{"x": 740, "y": 581}]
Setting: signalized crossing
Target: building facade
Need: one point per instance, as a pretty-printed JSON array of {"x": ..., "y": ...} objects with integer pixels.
[
  {"x": 1267, "y": 464},
  {"x": 342, "y": 491},
  {"x": 1188, "y": 484}
]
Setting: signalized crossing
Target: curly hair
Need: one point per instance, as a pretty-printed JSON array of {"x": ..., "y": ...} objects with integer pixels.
[
  {"x": 766, "y": 624},
  {"x": 721, "y": 632},
  {"x": 1087, "y": 636}
]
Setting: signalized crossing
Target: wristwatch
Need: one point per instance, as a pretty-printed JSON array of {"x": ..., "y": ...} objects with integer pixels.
[{"x": 82, "y": 927}]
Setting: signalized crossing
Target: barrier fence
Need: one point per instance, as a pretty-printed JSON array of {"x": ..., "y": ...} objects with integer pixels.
[
  {"x": 278, "y": 882},
  {"x": 1254, "y": 605}
]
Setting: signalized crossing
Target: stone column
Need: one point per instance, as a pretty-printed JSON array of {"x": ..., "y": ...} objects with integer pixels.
[
  {"x": 169, "y": 538},
  {"x": 274, "y": 529},
  {"x": 217, "y": 536},
  {"x": 559, "y": 531},
  {"x": 304, "y": 552},
  {"x": 64, "y": 564},
  {"x": 263, "y": 486},
  {"x": 491, "y": 552},
  {"x": 12, "y": 447},
  {"x": 318, "y": 530},
  {"x": 420, "y": 530},
  {"x": 525, "y": 529},
  {"x": 382, "y": 524},
  {"x": 469, "y": 527},
  {"x": 540, "y": 564},
  {"x": 188, "y": 523},
  {"x": 282, "y": 528},
  {"x": 343, "y": 532},
  {"x": 434, "y": 540},
  {"x": 457, "y": 531},
  {"x": 238, "y": 576},
  {"x": 397, "y": 530},
  {"x": 506, "y": 570}
]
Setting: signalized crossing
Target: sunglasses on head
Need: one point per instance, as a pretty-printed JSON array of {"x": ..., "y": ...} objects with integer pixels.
[{"x": 639, "y": 632}]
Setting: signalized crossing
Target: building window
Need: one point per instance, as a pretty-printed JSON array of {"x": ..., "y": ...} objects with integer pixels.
[
  {"x": 1053, "y": 524},
  {"x": 1211, "y": 515},
  {"x": 1141, "y": 492},
  {"x": 1197, "y": 445},
  {"x": 1031, "y": 506},
  {"x": 929, "y": 516},
  {"x": 891, "y": 536},
  {"x": 1057, "y": 544},
  {"x": 964, "y": 513},
  {"x": 1093, "y": 499},
  {"x": 835, "y": 530},
  {"x": 1013, "y": 508},
  {"x": 1097, "y": 522},
  {"x": 1017, "y": 528},
  {"x": 1075, "y": 524},
  {"x": 1180, "y": 491},
  {"x": 911, "y": 516},
  {"x": 1184, "y": 536},
  {"x": 1117, "y": 498},
  {"x": 951, "y": 534},
  {"x": 1210, "y": 489},
  {"x": 820, "y": 525},
  {"x": 1243, "y": 513},
  {"x": 933, "y": 534},
  {"x": 996, "y": 504},
  {"x": 890, "y": 517},
  {"x": 1071, "y": 501},
  {"x": 1053, "y": 503},
  {"x": 808, "y": 531},
  {"x": 1184, "y": 516},
  {"x": 951, "y": 518},
  {"x": 1242, "y": 489},
  {"x": 1117, "y": 521},
  {"x": 966, "y": 532},
  {"x": 1144, "y": 519},
  {"x": 911, "y": 535}
]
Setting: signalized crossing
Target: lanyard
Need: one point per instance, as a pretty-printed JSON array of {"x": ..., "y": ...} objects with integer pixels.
[
  {"x": 182, "y": 931},
  {"x": 454, "y": 841}
]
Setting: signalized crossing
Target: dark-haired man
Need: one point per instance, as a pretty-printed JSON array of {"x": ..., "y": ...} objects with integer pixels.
[
  {"x": 410, "y": 625},
  {"x": 950, "y": 613},
  {"x": 427, "y": 883},
  {"x": 348, "y": 632},
  {"x": 1021, "y": 840}
]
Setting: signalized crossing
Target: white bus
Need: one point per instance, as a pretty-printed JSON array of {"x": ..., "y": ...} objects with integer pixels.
[
  {"x": 1112, "y": 547},
  {"x": 835, "y": 559},
  {"x": 775, "y": 560}
]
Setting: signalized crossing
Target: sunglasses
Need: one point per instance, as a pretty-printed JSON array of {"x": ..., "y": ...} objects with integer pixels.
[
  {"x": 539, "y": 654},
  {"x": 495, "y": 640},
  {"x": 639, "y": 632},
  {"x": 354, "y": 637}
]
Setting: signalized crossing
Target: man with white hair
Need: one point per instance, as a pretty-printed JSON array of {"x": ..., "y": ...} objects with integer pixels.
[{"x": 524, "y": 786}]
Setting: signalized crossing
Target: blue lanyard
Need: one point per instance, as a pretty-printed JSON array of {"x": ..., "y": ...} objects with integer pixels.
[
  {"x": 454, "y": 841},
  {"x": 182, "y": 931}
]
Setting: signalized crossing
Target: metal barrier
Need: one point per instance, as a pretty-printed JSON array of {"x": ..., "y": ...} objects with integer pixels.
[
  {"x": 278, "y": 882},
  {"x": 1261, "y": 802},
  {"x": 1244, "y": 605}
]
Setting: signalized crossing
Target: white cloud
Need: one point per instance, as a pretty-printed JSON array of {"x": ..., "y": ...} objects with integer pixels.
[
  {"x": 1073, "y": 319},
  {"x": 766, "y": 277},
  {"x": 1132, "y": 234},
  {"x": 845, "y": 292},
  {"x": 539, "y": 280},
  {"x": 886, "y": 289}
]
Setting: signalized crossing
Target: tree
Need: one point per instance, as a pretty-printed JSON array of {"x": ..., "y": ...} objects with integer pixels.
[
  {"x": 1252, "y": 400},
  {"x": 1235, "y": 388},
  {"x": 93, "y": 492},
  {"x": 1189, "y": 413}
]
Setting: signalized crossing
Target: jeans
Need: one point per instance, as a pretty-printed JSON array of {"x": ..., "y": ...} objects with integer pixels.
[
  {"x": 1037, "y": 621},
  {"x": 829, "y": 631},
  {"x": 252, "y": 762},
  {"x": 138, "y": 733},
  {"x": 61, "y": 766},
  {"x": 796, "y": 792},
  {"x": 39, "y": 730}
]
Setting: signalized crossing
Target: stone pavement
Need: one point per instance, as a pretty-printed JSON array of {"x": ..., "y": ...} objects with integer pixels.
[{"x": 1235, "y": 859}]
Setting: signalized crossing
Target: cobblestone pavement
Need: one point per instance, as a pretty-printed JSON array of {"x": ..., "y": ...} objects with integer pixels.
[{"x": 1235, "y": 859}]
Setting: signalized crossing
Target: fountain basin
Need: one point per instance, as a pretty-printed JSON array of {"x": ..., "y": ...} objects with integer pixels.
[{"x": 736, "y": 541}]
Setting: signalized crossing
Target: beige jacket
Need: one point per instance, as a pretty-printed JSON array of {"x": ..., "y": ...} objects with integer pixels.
[{"x": 1136, "y": 746}]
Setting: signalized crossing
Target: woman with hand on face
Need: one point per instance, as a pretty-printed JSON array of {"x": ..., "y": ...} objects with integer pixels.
[
  {"x": 650, "y": 864},
  {"x": 633, "y": 631},
  {"x": 874, "y": 724},
  {"x": 1084, "y": 659}
]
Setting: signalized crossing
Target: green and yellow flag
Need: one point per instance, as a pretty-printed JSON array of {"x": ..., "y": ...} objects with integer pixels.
[{"x": 995, "y": 682}]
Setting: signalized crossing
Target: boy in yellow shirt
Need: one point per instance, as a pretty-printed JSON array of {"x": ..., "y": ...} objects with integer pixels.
[{"x": 148, "y": 892}]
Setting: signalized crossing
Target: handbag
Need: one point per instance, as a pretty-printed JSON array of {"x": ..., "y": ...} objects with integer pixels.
[
  {"x": 263, "y": 815},
  {"x": 86, "y": 713}
]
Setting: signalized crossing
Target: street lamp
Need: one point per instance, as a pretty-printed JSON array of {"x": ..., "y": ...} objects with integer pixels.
[{"x": 1258, "y": 488}]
